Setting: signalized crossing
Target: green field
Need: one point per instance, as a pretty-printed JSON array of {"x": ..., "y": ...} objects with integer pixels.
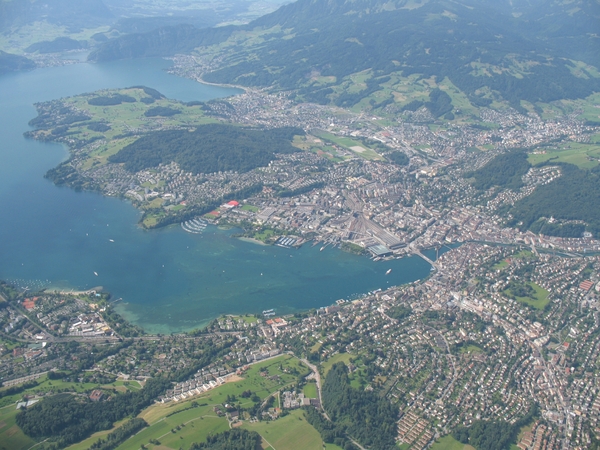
[
  {"x": 449, "y": 443},
  {"x": 310, "y": 390},
  {"x": 195, "y": 423},
  {"x": 202, "y": 420},
  {"x": 501, "y": 265},
  {"x": 356, "y": 147},
  {"x": 344, "y": 357},
  {"x": 124, "y": 119},
  {"x": 583, "y": 155},
  {"x": 19, "y": 39},
  {"x": 315, "y": 145},
  {"x": 46, "y": 385},
  {"x": 11, "y": 436},
  {"x": 194, "y": 426},
  {"x": 541, "y": 297},
  {"x": 291, "y": 432},
  {"x": 249, "y": 208},
  {"x": 471, "y": 349}
]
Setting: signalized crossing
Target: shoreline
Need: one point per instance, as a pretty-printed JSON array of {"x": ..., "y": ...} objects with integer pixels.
[
  {"x": 74, "y": 292},
  {"x": 253, "y": 241}
]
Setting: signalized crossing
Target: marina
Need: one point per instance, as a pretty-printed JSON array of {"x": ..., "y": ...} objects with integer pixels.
[
  {"x": 287, "y": 242},
  {"x": 194, "y": 226}
]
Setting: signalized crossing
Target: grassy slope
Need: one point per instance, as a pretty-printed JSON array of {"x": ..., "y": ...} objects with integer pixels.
[
  {"x": 345, "y": 357},
  {"x": 126, "y": 117},
  {"x": 292, "y": 432},
  {"x": 201, "y": 421},
  {"x": 449, "y": 443}
]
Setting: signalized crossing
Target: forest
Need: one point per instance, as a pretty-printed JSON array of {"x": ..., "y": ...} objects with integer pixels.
[
  {"x": 574, "y": 196},
  {"x": 493, "y": 435},
  {"x": 398, "y": 158},
  {"x": 235, "y": 439},
  {"x": 210, "y": 148},
  {"x": 68, "y": 419},
  {"x": 330, "y": 432},
  {"x": 365, "y": 416},
  {"x": 111, "y": 100},
  {"x": 505, "y": 170},
  {"x": 60, "y": 44},
  {"x": 12, "y": 63},
  {"x": 162, "y": 111}
]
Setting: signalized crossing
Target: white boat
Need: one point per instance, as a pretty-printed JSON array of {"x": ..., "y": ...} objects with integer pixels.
[{"x": 388, "y": 272}]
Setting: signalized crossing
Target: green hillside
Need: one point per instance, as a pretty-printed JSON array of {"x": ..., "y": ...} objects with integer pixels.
[{"x": 489, "y": 51}]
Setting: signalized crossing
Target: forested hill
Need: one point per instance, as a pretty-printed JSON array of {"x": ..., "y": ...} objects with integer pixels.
[
  {"x": 211, "y": 148},
  {"x": 73, "y": 14},
  {"x": 520, "y": 50},
  {"x": 164, "y": 41},
  {"x": 12, "y": 63}
]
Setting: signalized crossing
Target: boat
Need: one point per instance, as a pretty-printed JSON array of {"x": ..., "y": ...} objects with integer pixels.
[
  {"x": 111, "y": 240},
  {"x": 388, "y": 271},
  {"x": 267, "y": 311},
  {"x": 96, "y": 273},
  {"x": 322, "y": 248}
]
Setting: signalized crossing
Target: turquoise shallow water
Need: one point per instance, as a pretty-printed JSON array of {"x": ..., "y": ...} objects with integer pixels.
[{"x": 169, "y": 280}]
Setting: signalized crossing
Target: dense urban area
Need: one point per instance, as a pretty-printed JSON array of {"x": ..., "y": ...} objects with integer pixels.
[{"x": 497, "y": 346}]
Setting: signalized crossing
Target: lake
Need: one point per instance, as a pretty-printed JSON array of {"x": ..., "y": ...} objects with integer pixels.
[{"x": 169, "y": 280}]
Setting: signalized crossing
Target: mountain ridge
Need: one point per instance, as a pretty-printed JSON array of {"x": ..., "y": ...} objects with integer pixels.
[{"x": 488, "y": 50}]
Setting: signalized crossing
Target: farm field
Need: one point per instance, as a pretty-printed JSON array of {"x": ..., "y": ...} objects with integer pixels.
[{"x": 291, "y": 432}]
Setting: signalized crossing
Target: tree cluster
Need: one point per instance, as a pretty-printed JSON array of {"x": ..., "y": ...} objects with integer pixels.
[
  {"x": 208, "y": 149},
  {"x": 399, "y": 158},
  {"x": 67, "y": 419},
  {"x": 493, "y": 435},
  {"x": 330, "y": 432},
  {"x": 111, "y": 100},
  {"x": 235, "y": 439},
  {"x": 505, "y": 170},
  {"x": 368, "y": 418},
  {"x": 574, "y": 196},
  {"x": 120, "y": 435},
  {"x": 162, "y": 111}
]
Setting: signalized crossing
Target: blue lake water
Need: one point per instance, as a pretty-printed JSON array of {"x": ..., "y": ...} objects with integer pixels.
[{"x": 169, "y": 280}]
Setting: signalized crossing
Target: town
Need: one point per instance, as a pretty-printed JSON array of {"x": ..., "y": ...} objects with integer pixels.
[{"x": 505, "y": 328}]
